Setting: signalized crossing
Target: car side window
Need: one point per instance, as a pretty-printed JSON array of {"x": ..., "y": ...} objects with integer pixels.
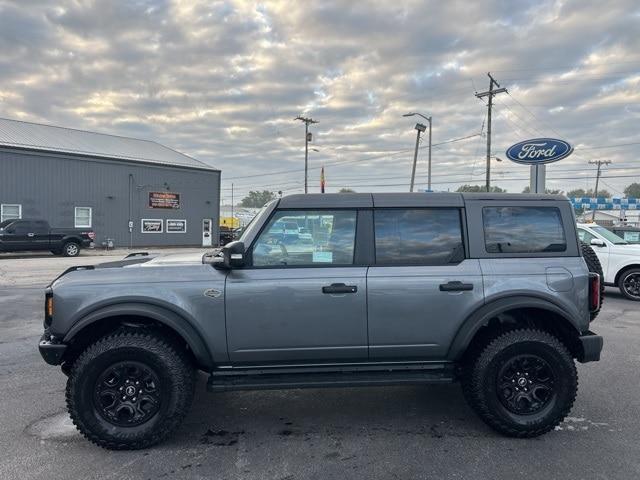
[
  {"x": 585, "y": 236},
  {"x": 523, "y": 230},
  {"x": 420, "y": 236},
  {"x": 307, "y": 238},
  {"x": 21, "y": 227},
  {"x": 39, "y": 226}
]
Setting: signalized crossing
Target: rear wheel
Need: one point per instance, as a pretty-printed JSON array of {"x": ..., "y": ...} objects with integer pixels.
[
  {"x": 130, "y": 390},
  {"x": 71, "y": 249},
  {"x": 629, "y": 284},
  {"x": 522, "y": 384}
]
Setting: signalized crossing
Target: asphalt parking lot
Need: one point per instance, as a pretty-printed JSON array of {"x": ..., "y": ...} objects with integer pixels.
[{"x": 383, "y": 432}]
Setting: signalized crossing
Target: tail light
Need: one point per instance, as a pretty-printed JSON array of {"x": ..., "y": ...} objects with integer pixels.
[
  {"x": 594, "y": 291},
  {"x": 48, "y": 308},
  {"x": 91, "y": 235}
]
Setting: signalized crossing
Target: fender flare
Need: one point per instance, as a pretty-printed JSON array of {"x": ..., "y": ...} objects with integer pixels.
[
  {"x": 160, "y": 314},
  {"x": 71, "y": 238},
  {"x": 482, "y": 315}
]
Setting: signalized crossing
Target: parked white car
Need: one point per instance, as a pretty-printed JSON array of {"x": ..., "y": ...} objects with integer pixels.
[{"x": 620, "y": 260}]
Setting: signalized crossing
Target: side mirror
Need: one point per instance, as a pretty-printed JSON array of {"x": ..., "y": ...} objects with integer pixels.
[
  {"x": 596, "y": 242},
  {"x": 233, "y": 255}
]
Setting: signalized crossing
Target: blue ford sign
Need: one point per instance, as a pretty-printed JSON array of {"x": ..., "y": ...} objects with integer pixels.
[{"x": 539, "y": 150}]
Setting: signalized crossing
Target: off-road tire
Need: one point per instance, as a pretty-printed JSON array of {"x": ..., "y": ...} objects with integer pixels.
[
  {"x": 480, "y": 382},
  {"x": 635, "y": 272},
  {"x": 71, "y": 249},
  {"x": 176, "y": 379},
  {"x": 594, "y": 265}
]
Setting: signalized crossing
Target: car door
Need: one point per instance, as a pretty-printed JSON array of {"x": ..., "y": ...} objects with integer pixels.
[
  {"x": 16, "y": 236},
  {"x": 421, "y": 288},
  {"x": 301, "y": 298},
  {"x": 40, "y": 235}
]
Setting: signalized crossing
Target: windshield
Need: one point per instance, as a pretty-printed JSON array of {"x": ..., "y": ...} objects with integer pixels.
[{"x": 609, "y": 235}]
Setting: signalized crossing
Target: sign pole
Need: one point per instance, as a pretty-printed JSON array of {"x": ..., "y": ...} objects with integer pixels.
[{"x": 537, "y": 180}]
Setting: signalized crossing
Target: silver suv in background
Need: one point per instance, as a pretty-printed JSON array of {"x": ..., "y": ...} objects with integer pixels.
[{"x": 369, "y": 289}]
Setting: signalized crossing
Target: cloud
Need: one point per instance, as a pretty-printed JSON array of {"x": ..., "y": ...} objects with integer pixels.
[{"x": 222, "y": 81}]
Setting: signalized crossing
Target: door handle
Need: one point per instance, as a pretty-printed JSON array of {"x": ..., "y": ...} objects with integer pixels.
[
  {"x": 30, "y": 234},
  {"x": 339, "y": 288},
  {"x": 456, "y": 286}
]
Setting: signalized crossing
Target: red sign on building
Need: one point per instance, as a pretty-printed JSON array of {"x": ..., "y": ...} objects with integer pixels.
[{"x": 164, "y": 200}]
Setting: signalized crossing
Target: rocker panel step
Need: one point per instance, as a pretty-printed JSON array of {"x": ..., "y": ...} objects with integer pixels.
[{"x": 266, "y": 381}]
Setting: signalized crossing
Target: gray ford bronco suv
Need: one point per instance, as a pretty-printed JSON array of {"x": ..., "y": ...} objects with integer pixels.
[{"x": 335, "y": 290}]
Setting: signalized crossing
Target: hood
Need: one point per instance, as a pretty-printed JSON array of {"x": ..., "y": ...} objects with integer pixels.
[
  {"x": 631, "y": 249},
  {"x": 173, "y": 259}
]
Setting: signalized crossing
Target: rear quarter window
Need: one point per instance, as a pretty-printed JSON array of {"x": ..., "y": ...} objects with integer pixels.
[{"x": 523, "y": 230}]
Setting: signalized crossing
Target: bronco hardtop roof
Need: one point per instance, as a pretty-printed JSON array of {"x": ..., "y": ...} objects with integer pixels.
[{"x": 416, "y": 199}]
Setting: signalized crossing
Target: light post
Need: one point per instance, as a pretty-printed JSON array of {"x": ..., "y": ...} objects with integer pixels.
[
  {"x": 420, "y": 128},
  {"x": 428, "y": 119}
]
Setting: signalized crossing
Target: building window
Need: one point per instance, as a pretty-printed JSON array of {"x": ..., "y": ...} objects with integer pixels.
[
  {"x": 10, "y": 212},
  {"x": 82, "y": 217}
]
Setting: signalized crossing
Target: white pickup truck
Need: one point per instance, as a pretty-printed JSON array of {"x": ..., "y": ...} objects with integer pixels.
[{"x": 620, "y": 260}]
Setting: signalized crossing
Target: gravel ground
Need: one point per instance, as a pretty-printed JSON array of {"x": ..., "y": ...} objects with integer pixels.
[{"x": 383, "y": 432}]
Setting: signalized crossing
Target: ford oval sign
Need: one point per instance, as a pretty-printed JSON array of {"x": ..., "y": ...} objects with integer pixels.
[{"x": 539, "y": 151}]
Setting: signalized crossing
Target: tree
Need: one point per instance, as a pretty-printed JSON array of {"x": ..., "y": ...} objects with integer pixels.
[
  {"x": 346, "y": 190},
  {"x": 256, "y": 199},
  {"x": 581, "y": 192},
  {"x": 577, "y": 192},
  {"x": 633, "y": 190},
  {"x": 550, "y": 191},
  {"x": 479, "y": 188}
]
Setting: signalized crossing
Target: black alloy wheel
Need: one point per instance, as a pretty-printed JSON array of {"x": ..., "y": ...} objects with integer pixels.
[
  {"x": 525, "y": 384},
  {"x": 127, "y": 394},
  {"x": 629, "y": 284}
]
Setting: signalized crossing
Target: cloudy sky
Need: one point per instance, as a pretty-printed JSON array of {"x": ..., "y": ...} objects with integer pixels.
[{"x": 223, "y": 80}]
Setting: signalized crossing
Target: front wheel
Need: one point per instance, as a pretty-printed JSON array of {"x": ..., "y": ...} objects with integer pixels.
[
  {"x": 522, "y": 384},
  {"x": 130, "y": 390},
  {"x": 629, "y": 284}
]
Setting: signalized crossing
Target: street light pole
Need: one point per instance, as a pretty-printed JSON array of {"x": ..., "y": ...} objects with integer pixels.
[
  {"x": 420, "y": 128},
  {"x": 429, "y": 166},
  {"x": 428, "y": 119}
]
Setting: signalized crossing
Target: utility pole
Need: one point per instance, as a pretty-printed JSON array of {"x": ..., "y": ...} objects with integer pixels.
[
  {"x": 307, "y": 137},
  {"x": 490, "y": 93},
  {"x": 595, "y": 193}
]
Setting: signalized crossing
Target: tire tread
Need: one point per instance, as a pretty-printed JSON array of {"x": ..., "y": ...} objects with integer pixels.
[
  {"x": 178, "y": 363},
  {"x": 473, "y": 383}
]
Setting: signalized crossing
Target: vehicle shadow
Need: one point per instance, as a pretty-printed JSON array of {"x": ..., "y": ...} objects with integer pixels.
[{"x": 222, "y": 419}]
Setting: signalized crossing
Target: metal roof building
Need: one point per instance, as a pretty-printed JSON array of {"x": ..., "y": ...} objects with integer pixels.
[{"x": 134, "y": 192}]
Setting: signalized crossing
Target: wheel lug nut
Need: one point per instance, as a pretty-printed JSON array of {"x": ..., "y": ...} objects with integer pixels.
[
  {"x": 124, "y": 398},
  {"x": 134, "y": 399},
  {"x": 140, "y": 391}
]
